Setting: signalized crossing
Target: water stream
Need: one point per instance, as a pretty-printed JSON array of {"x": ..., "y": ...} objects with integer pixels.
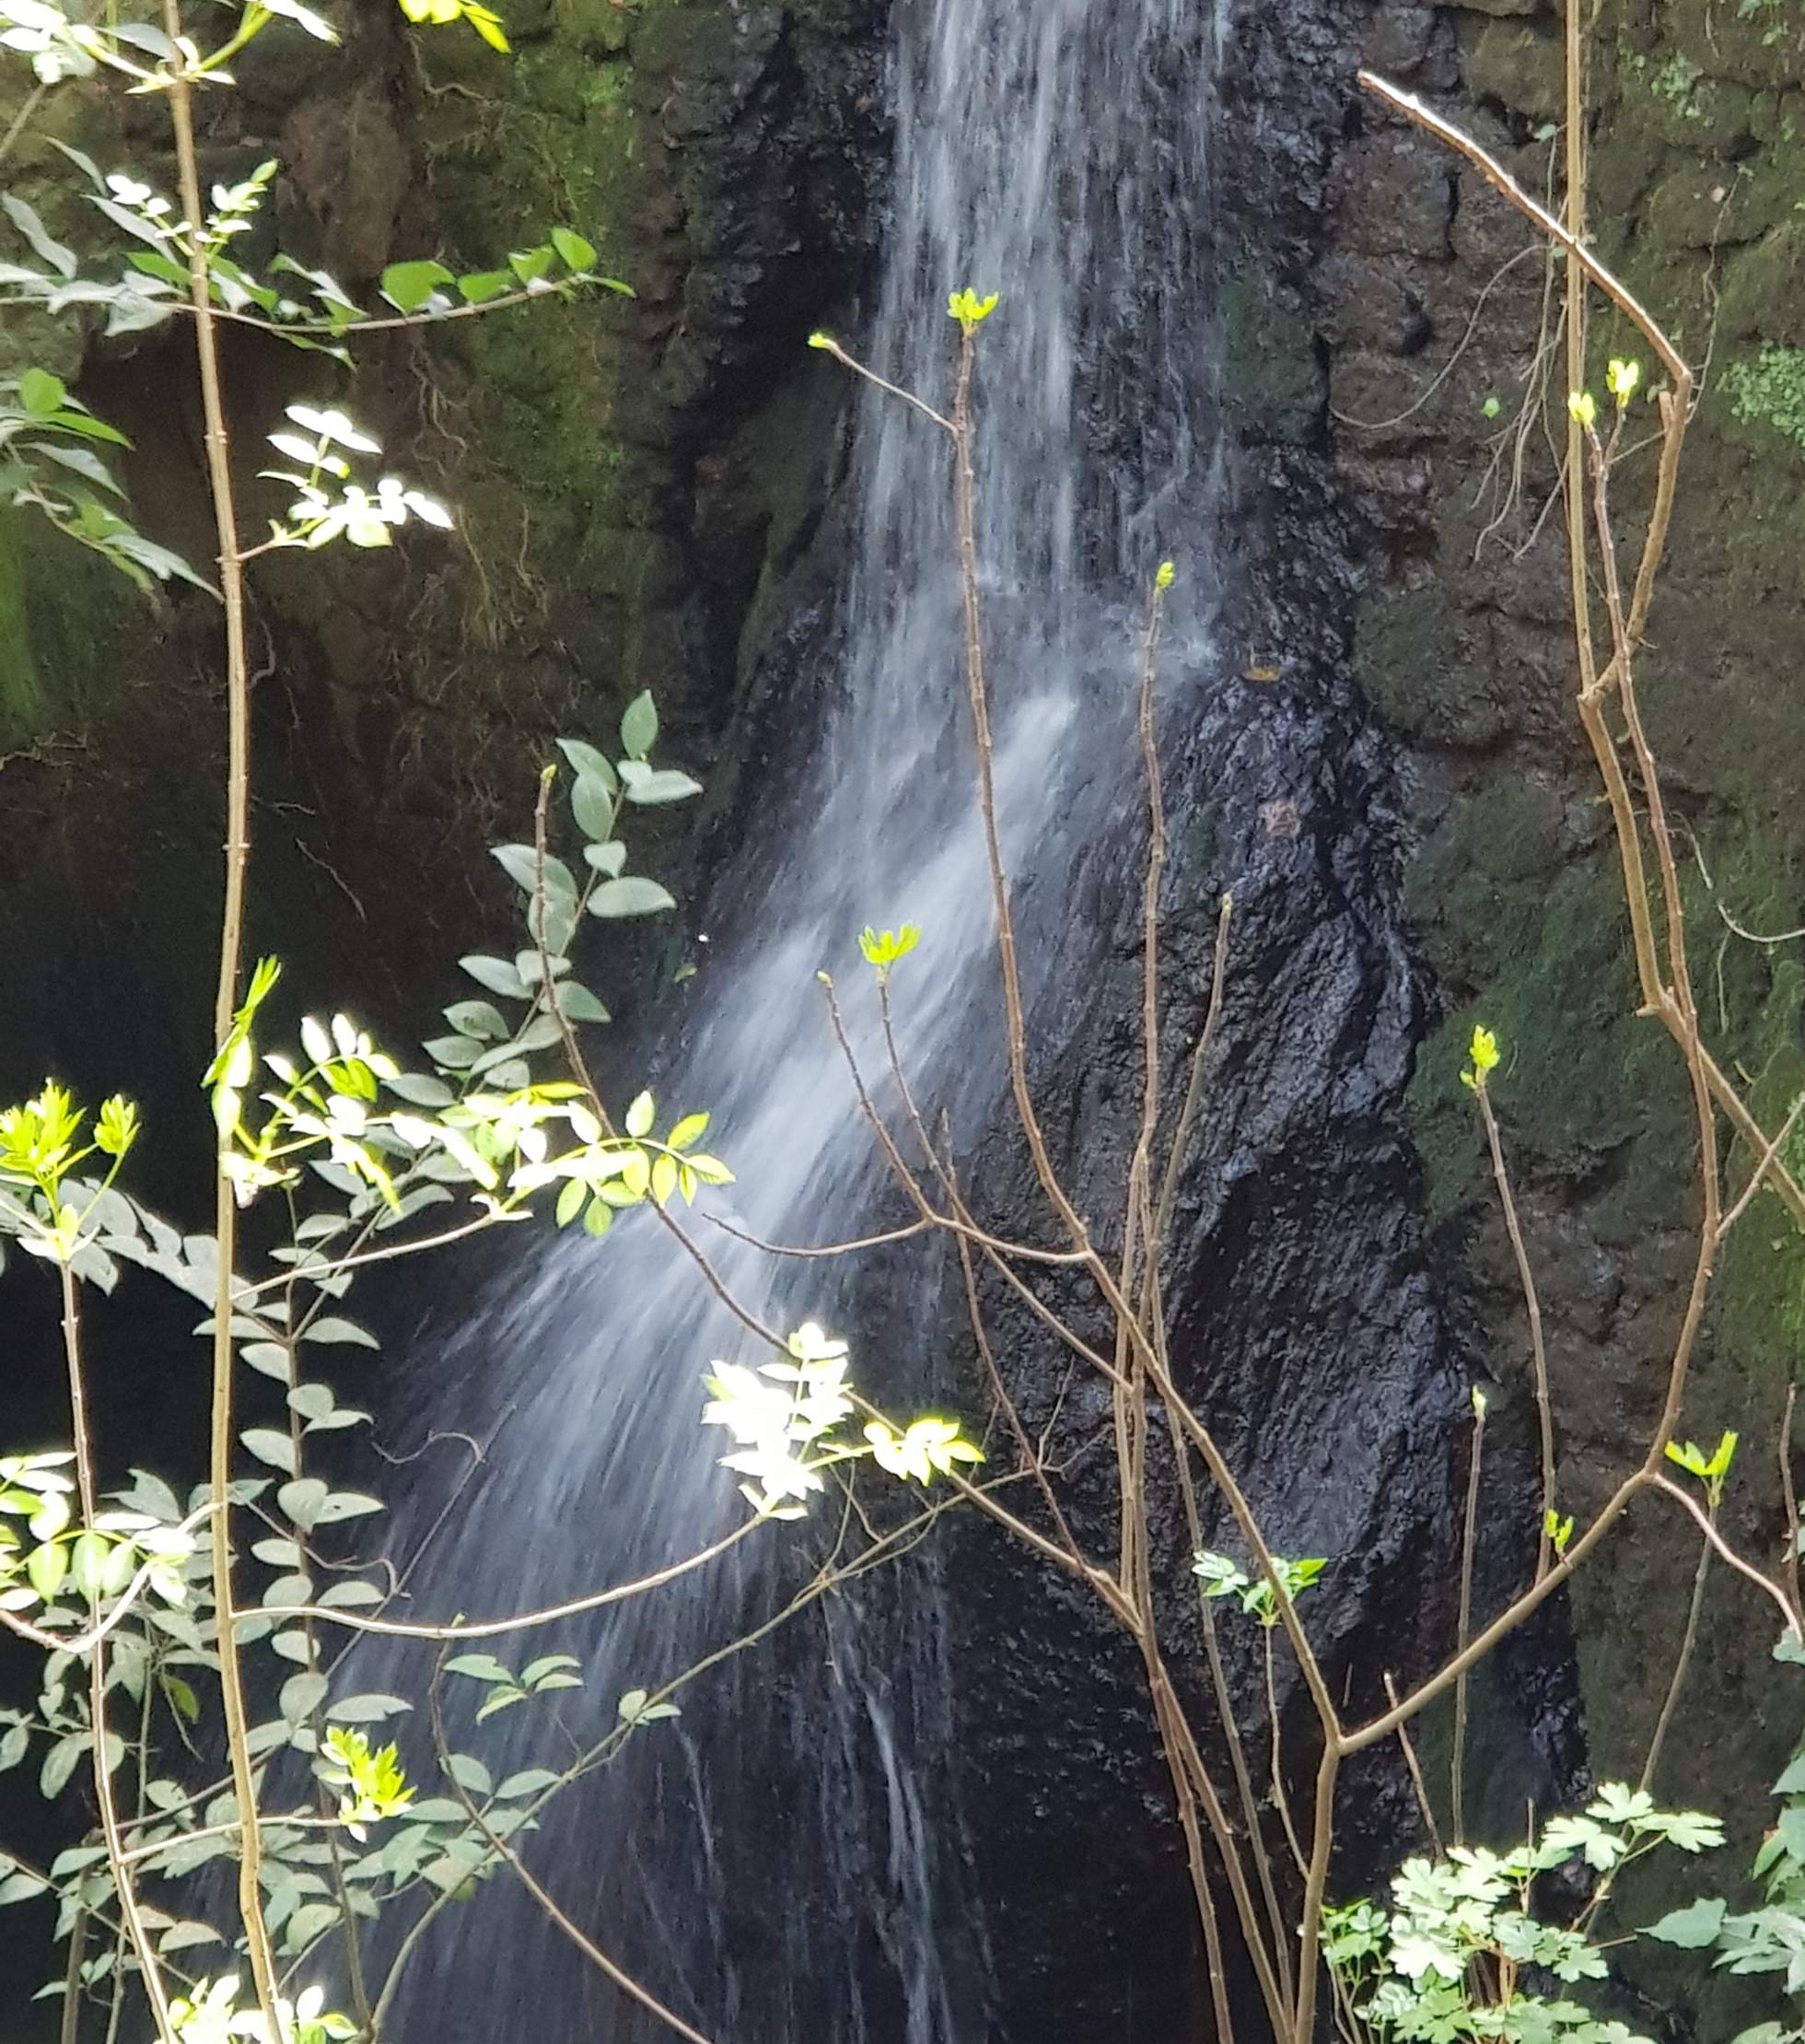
[{"x": 789, "y": 1858}]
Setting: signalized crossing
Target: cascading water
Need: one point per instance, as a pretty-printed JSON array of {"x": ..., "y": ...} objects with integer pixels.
[{"x": 787, "y": 1858}]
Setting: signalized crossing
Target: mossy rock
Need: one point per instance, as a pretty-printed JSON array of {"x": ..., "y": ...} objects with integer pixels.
[{"x": 1273, "y": 380}]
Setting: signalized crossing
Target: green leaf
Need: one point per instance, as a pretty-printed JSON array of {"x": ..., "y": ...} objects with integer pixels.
[
  {"x": 688, "y": 1132},
  {"x": 480, "y": 1667},
  {"x": 499, "y": 976},
  {"x": 179, "y": 1937},
  {"x": 347, "y": 1504},
  {"x": 420, "y": 1090},
  {"x": 650, "y": 790},
  {"x": 453, "y": 1053},
  {"x": 480, "y": 286},
  {"x": 342, "y": 1331},
  {"x": 468, "y": 1773},
  {"x": 268, "y": 1445},
  {"x": 574, "y": 251},
  {"x": 269, "y": 1357},
  {"x": 639, "y": 726},
  {"x": 607, "y": 858},
  {"x": 302, "y": 1502},
  {"x": 584, "y": 759},
  {"x": 61, "y": 260},
  {"x": 530, "y": 1781},
  {"x": 531, "y": 265},
  {"x": 592, "y": 805},
  {"x": 478, "y": 1018},
  {"x": 370, "y": 1708},
  {"x": 535, "y": 1671},
  {"x": 577, "y": 1004},
  {"x": 408, "y": 286},
  {"x": 46, "y": 1569},
  {"x": 60, "y": 1763},
  {"x": 1691, "y": 1928},
  {"x": 639, "y": 1115},
  {"x": 633, "y": 895},
  {"x": 570, "y": 1201},
  {"x": 41, "y": 393},
  {"x": 301, "y": 1696}
]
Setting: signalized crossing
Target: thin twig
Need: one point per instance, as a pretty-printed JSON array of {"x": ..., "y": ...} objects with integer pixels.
[
  {"x": 1544, "y": 1414},
  {"x": 1469, "y": 1535},
  {"x": 1408, "y": 1747}
]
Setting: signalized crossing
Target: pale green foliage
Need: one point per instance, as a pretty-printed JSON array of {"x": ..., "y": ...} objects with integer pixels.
[
  {"x": 636, "y": 1708},
  {"x": 1621, "y": 378},
  {"x": 784, "y": 1419},
  {"x": 548, "y": 1673},
  {"x": 211, "y": 2016},
  {"x": 1558, "y": 1530},
  {"x": 1456, "y": 1953},
  {"x": 49, "y": 462},
  {"x": 97, "y": 1563},
  {"x": 364, "y": 515},
  {"x": 1219, "y": 1577}
]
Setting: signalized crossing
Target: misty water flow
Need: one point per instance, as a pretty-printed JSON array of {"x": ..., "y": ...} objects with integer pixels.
[{"x": 787, "y": 1858}]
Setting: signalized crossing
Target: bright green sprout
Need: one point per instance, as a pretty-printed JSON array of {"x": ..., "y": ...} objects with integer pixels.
[
  {"x": 1490, "y": 409},
  {"x": 1559, "y": 1530},
  {"x": 1483, "y": 1055},
  {"x": 882, "y": 948},
  {"x": 1221, "y": 1578},
  {"x": 922, "y": 1449},
  {"x": 1583, "y": 406},
  {"x": 970, "y": 310},
  {"x": 1167, "y": 575},
  {"x": 1710, "y": 1473},
  {"x": 374, "y": 1780},
  {"x": 438, "y": 12},
  {"x": 818, "y": 340},
  {"x": 1478, "y": 1403},
  {"x": 1621, "y": 379}
]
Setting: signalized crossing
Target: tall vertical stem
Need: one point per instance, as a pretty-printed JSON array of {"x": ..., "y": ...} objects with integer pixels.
[
  {"x": 231, "y": 946},
  {"x": 130, "y": 1913},
  {"x": 1468, "y": 1533},
  {"x": 1575, "y": 222}
]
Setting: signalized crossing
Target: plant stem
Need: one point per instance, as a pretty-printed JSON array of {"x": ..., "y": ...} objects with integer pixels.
[
  {"x": 231, "y": 945},
  {"x": 131, "y": 1915},
  {"x": 1457, "y": 1760},
  {"x": 1545, "y": 1413},
  {"x": 1670, "y": 1702}
]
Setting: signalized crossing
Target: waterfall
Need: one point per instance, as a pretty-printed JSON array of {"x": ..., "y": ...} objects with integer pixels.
[{"x": 787, "y": 1859}]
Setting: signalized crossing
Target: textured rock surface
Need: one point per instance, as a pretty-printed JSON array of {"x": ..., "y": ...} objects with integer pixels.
[{"x": 1431, "y": 301}]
